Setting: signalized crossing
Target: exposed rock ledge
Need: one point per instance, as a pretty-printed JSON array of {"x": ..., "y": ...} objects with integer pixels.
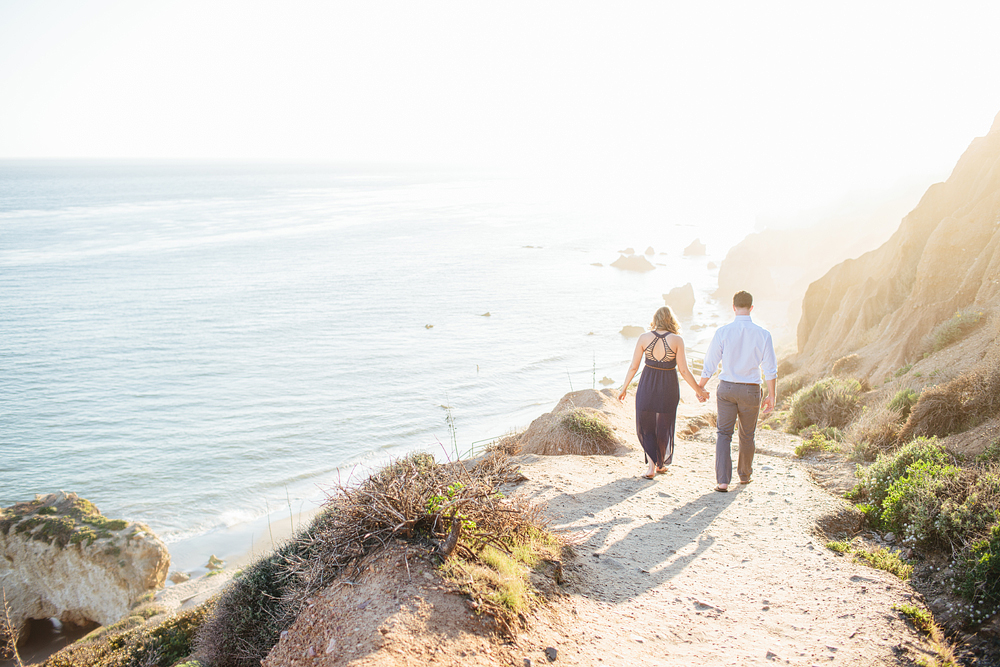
[{"x": 63, "y": 559}]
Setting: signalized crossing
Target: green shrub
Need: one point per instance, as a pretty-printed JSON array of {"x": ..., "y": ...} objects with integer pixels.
[
  {"x": 884, "y": 559},
  {"x": 830, "y": 402},
  {"x": 991, "y": 454},
  {"x": 815, "y": 444},
  {"x": 251, "y": 613},
  {"x": 979, "y": 568},
  {"x": 135, "y": 645},
  {"x": 831, "y": 433},
  {"x": 903, "y": 370},
  {"x": 587, "y": 424},
  {"x": 875, "y": 480},
  {"x": 912, "y": 505},
  {"x": 903, "y": 402},
  {"x": 954, "y": 329}
]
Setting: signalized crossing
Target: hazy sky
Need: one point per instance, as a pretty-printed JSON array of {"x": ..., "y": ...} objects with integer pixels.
[{"x": 762, "y": 106}]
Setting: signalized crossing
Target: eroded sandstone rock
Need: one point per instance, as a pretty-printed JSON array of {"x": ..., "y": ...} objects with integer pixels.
[
  {"x": 945, "y": 256},
  {"x": 63, "y": 559},
  {"x": 681, "y": 300}
]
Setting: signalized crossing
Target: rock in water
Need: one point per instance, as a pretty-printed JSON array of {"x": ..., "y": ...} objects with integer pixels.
[
  {"x": 633, "y": 263},
  {"x": 62, "y": 559},
  {"x": 650, "y": 251},
  {"x": 630, "y": 331},
  {"x": 681, "y": 300},
  {"x": 696, "y": 248}
]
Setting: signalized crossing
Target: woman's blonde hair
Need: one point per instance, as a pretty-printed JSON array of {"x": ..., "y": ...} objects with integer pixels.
[{"x": 664, "y": 319}]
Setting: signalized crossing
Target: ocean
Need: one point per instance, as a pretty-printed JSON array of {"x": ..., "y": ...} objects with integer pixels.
[{"x": 200, "y": 346}]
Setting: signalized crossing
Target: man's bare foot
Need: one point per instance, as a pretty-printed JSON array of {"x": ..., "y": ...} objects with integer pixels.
[{"x": 722, "y": 488}]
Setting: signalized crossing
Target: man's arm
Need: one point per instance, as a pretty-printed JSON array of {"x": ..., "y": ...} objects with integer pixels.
[
  {"x": 770, "y": 367},
  {"x": 712, "y": 359}
]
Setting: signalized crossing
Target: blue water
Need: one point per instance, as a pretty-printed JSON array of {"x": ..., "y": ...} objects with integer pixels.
[{"x": 191, "y": 345}]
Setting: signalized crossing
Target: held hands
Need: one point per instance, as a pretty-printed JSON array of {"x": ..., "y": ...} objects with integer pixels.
[
  {"x": 621, "y": 395},
  {"x": 768, "y": 404},
  {"x": 702, "y": 395}
]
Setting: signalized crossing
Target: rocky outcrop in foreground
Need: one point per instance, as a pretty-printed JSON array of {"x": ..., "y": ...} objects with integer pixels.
[
  {"x": 944, "y": 257},
  {"x": 63, "y": 559}
]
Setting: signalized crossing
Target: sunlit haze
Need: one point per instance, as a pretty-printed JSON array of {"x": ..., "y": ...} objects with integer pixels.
[{"x": 712, "y": 111}]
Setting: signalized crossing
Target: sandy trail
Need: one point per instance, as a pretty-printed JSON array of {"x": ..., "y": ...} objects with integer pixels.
[{"x": 670, "y": 572}]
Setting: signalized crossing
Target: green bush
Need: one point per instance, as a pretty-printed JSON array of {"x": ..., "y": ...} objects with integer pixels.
[
  {"x": 912, "y": 505},
  {"x": 587, "y": 424},
  {"x": 144, "y": 645},
  {"x": 875, "y": 480},
  {"x": 954, "y": 329},
  {"x": 829, "y": 433},
  {"x": 903, "y": 402},
  {"x": 252, "y": 612},
  {"x": 979, "y": 568},
  {"x": 815, "y": 444},
  {"x": 830, "y": 402}
]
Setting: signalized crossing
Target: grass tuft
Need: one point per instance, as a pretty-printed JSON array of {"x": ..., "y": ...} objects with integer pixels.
[
  {"x": 952, "y": 330},
  {"x": 830, "y": 402}
]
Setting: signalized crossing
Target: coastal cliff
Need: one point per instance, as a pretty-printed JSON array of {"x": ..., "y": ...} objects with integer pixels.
[{"x": 944, "y": 257}]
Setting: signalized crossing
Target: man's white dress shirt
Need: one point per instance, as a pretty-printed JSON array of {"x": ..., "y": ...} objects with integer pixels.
[{"x": 744, "y": 349}]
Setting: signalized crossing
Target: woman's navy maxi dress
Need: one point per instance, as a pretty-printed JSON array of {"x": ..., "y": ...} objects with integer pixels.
[{"x": 656, "y": 403}]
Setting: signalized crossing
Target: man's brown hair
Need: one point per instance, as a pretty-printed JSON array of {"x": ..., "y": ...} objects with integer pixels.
[{"x": 742, "y": 300}]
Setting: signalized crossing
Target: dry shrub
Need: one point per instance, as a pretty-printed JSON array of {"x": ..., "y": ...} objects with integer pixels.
[
  {"x": 509, "y": 444},
  {"x": 578, "y": 431},
  {"x": 847, "y": 364},
  {"x": 875, "y": 430},
  {"x": 958, "y": 405},
  {"x": 413, "y": 499},
  {"x": 786, "y": 388}
]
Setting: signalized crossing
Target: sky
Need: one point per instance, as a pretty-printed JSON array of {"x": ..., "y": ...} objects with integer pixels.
[{"x": 708, "y": 109}]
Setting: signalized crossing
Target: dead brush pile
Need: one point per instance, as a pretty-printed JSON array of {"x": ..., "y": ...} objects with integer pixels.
[
  {"x": 447, "y": 509},
  {"x": 958, "y": 405}
]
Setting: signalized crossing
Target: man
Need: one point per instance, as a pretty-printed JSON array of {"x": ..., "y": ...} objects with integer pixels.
[{"x": 744, "y": 349}]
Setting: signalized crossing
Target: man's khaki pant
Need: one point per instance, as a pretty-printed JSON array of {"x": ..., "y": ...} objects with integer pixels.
[{"x": 737, "y": 403}]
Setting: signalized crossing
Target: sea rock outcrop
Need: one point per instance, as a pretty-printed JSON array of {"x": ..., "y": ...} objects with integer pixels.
[
  {"x": 681, "y": 300},
  {"x": 696, "y": 248},
  {"x": 63, "y": 559},
  {"x": 632, "y": 331},
  {"x": 633, "y": 263},
  {"x": 945, "y": 256}
]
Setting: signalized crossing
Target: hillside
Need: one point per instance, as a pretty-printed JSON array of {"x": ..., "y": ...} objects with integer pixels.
[{"x": 945, "y": 257}]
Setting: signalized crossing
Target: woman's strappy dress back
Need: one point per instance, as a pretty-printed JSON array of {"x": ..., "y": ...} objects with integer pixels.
[{"x": 656, "y": 401}]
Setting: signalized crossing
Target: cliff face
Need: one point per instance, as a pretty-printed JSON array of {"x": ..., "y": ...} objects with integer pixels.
[{"x": 945, "y": 256}]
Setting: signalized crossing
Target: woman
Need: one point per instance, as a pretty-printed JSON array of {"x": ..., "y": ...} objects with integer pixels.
[{"x": 658, "y": 393}]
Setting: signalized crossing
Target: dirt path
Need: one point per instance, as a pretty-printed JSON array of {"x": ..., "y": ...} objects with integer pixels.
[{"x": 670, "y": 572}]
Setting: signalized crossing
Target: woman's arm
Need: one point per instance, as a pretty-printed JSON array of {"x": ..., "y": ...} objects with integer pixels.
[
  {"x": 636, "y": 359},
  {"x": 682, "y": 367}
]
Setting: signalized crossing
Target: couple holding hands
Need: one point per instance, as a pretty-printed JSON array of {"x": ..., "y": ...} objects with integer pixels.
[{"x": 744, "y": 348}]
